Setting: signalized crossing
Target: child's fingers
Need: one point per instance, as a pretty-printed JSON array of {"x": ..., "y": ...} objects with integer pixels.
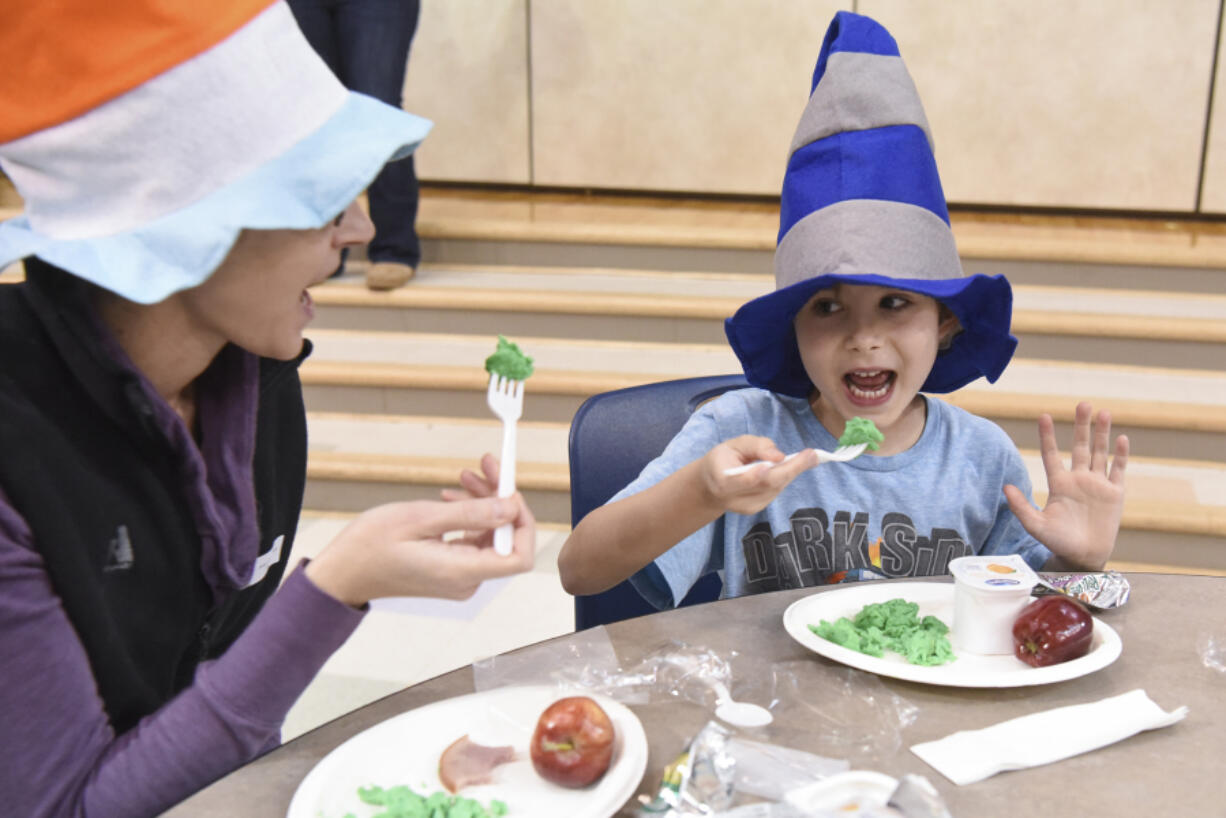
[
  {"x": 1081, "y": 436},
  {"x": 1048, "y": 449},
  {"x": 1120, "y": 462},
  {"x": 1030, "y": 517},
  {"x": 1102, "y": 442},
  {"x": 781, "y": 474},
  {"x": 755, "y": 447}
]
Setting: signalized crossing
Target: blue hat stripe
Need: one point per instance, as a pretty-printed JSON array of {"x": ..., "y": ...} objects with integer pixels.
[
  {"x": 850, "y": 166},
  {"x": 853, "y": 32}
]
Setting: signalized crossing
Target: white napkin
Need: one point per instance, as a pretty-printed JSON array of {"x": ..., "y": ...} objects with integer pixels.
[{"x": 1041, "y": 738}]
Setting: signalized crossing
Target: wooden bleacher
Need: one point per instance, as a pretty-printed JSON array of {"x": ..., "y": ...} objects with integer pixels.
[{"x": 608, "y": 292}]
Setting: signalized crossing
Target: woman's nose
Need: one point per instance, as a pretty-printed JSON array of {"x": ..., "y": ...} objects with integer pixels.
[{"x": 355, "y": 228}]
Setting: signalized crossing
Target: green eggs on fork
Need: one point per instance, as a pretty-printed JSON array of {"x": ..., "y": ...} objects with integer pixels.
[{"x": 858, "y": 434}]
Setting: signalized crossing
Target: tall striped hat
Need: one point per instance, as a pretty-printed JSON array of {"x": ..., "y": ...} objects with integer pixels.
[
  {"x": 862, "y": 204},
  {"x": 145, "y": 135}
]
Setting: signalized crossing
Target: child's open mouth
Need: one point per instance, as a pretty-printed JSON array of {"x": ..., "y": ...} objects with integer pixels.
[{"x": 869, "y": 387}]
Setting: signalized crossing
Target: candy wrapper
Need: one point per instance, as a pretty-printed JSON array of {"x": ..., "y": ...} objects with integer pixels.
[
  {"x": 1103, "y": 590},
  {"x": 700, "y": 781}
]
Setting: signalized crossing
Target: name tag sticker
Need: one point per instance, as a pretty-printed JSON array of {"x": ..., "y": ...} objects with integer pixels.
[{"x": 266, "y": 560}]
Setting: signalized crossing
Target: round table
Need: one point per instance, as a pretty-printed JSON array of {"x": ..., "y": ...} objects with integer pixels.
[{"x": 1171, "y": 771}]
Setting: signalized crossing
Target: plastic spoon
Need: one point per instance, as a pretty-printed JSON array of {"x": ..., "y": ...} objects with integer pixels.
[{"x": 741, "y": 714}]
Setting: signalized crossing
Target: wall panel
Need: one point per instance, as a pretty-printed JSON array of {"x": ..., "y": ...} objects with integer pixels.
[
  {"x": 1214, "y": 195},
  {"x": 1076, "y": 103},
  {"x": 687, "y": 95},
  {"x": 468, "y": 71}
]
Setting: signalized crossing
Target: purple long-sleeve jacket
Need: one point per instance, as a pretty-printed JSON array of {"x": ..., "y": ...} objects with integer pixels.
[{"x": 58, "y": 753}]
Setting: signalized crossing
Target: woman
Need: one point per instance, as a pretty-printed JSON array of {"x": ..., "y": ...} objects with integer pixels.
[{"x": 187, "y": 176}]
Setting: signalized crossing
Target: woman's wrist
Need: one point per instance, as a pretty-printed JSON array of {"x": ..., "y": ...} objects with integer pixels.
[{"x": 331, "y": 576}]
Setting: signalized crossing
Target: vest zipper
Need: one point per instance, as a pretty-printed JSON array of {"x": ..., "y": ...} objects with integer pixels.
[{"x": 203, "y": 637}]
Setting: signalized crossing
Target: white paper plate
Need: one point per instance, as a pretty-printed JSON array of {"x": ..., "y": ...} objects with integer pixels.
[
  {"x": 937, "y": 599},
  {"x": 404, "y": 750}
]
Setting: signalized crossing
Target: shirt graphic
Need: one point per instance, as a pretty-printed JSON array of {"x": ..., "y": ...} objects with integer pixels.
[
  {"x": 816, "y": 549},
  {"x": 119, "y": 556}
]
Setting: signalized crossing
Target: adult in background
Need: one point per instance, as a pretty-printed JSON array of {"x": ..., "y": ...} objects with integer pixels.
[
  {"x": 188, "y": 171},
  {"x": 366, "y": 44}
]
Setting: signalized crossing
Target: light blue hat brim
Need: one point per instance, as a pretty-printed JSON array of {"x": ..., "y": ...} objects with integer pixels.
[{"x": 302, "y": 189}]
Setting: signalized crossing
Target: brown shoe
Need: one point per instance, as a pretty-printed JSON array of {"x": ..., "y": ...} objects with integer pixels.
[{"x": 388, "y": 275}]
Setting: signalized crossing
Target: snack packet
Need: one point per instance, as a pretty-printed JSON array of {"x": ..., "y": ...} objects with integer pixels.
[
  {"x": 700, "y": 781},
  {"x": 1103, "y": 590}
]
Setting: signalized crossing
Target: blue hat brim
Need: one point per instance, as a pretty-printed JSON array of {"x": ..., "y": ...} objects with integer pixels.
[
  {"x": 301, "y": 189},
  {"x": 764, "y": 338}
]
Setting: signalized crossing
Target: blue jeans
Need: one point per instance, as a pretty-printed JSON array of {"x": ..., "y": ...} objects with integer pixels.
[{"x": 366, "y": 44}]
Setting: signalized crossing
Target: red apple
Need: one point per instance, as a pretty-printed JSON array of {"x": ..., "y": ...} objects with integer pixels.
[
  {"x": 573, "y": 742},
  {"x": 1052, "y": 629}
]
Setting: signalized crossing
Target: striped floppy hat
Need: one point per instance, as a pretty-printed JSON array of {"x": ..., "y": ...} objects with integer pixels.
[
  {"x": 144, "y": 136},
  {"x": 862, "y": 204}
]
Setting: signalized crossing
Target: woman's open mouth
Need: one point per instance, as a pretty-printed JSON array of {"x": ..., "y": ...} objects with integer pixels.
[{"x": 869, "y": 387}]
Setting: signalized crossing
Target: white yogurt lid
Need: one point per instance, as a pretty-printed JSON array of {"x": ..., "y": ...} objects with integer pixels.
[{"x": 1005, "y": 573}]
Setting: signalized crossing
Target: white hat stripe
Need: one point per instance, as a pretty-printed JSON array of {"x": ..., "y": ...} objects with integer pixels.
[
  {"x": 171, "y": 162},
  {"x": 860, "y": 91},
  {"x": 867, "y": 237}
]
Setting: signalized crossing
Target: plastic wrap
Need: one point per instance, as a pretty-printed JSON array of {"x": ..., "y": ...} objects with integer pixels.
[
  {"x": 1212, "y": 650},
  {"x": 771, "y": 771},
  {"x": 585, "y": 661},
  {"x": 842, "y": 712}
]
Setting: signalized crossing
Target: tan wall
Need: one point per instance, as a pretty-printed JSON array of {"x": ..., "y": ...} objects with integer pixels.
[
  {"x": 1051, "y": 102},
  {"x": 1068, "y": 103},
  {"x": 468, "y": 71},
  {"x": 669, "y": 94}
]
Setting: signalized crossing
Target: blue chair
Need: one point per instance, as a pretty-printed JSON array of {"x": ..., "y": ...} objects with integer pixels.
[{"x": 612, "y": 437}]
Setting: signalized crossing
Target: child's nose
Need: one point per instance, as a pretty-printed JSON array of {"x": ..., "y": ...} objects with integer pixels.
[{"x": 864, "y": 333}]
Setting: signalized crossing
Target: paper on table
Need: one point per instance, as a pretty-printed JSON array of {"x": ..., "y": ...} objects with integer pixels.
[{"x": 973, "y": 755}]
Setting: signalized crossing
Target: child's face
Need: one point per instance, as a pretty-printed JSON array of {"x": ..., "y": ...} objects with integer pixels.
[{"x": 868, "y": 350}]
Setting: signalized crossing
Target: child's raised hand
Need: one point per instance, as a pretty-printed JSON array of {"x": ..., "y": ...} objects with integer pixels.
[
  {"x": 1084, "y": 504},
  {"x": 753, "y": 490}
]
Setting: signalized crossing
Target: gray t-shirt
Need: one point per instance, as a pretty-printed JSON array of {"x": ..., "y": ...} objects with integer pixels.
[{"x": 903, "y": 515}]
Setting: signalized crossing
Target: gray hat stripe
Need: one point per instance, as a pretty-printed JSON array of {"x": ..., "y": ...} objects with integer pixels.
[
  {"x": 860, "y": 91},
  {"x": 866, "y": 237}
]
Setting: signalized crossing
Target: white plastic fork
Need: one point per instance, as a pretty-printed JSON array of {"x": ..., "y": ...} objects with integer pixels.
[
  {"x": 837, "y": 456},
  {"x": 506, "y": 400}
]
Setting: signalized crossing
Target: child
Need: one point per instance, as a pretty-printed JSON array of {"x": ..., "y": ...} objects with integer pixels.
[{"x": 871, "y": 309}]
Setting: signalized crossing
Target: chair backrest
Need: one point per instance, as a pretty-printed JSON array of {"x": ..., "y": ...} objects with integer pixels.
[{"x": 612, "y": 437}]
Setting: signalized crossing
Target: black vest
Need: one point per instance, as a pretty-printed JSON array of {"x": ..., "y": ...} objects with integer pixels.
[{"x": 97, "y": 482}]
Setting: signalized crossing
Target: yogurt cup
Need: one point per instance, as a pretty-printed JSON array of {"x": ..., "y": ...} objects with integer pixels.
[{"x": 989, "y": 593}]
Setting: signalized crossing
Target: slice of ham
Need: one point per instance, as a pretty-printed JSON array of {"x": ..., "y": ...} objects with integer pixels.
[{"x": 466, "y": 763}]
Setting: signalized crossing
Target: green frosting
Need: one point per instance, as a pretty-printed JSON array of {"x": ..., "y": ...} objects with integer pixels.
[
  {"x": 508, "y": 361},
  {"x": 861, "y": 430},
  {"x": 402, "y": 802},
  {"x": 893, "y": 625}
]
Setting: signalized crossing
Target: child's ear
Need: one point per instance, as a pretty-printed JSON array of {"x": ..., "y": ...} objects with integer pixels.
[{"x": 948, "y": 328}]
